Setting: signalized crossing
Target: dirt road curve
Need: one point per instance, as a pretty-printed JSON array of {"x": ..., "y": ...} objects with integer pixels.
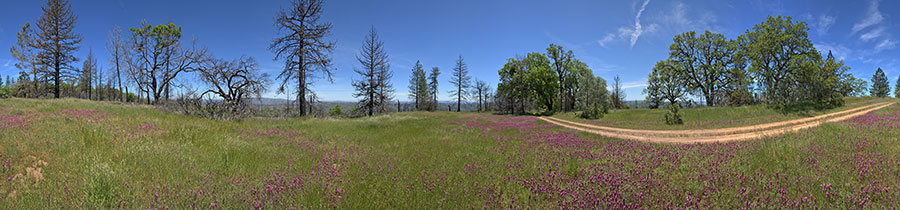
[{"x": 717, "y": 135}]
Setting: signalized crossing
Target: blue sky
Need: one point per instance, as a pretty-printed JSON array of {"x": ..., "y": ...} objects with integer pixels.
[{"x": 613, "y": 37}]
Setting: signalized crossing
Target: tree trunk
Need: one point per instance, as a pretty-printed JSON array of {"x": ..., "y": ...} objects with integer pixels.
[{"x": 56, "y": 74}]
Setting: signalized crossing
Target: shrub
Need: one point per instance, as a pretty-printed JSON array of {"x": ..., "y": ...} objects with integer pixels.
[
  {"x": 336, "y": 111},
  {"x": 672, "y": 116}
]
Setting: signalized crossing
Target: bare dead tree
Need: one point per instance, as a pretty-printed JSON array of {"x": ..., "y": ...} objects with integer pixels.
[
  {"x": 118, "y": 52},
  {"x": 374, "y": 62},
  {"x": 461, "y": 80},
  {"x": 302, "y": 46},
  {"x": 482, "y": 91},
  {"x": 233, "y": 81}
]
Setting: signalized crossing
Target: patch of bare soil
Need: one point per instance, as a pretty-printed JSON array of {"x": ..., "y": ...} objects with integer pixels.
[{"x": 717, "y": 135}]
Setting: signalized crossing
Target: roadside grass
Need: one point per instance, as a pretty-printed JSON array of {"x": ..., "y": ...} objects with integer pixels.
[
  {"x": 72, "y": 153},
  {"x": 707, "y": 117}
]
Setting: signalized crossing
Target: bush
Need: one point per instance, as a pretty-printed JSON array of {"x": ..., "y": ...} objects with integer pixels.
[
  {"x": 672, "y": 116},
  {"x": 594, "y": 111},
  {"x": 4, "y": 92},
  {"x": 336, "y": 111}
]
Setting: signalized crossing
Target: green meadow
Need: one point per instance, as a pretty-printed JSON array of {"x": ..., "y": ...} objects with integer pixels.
[{"x": 69, "y": 153}]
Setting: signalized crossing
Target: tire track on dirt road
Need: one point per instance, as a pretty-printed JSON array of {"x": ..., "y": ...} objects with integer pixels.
[{"x": 716, "y": 135}]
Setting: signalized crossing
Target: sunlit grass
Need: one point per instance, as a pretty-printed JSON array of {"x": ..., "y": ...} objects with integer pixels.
[
  {"x": 109, "y": 155},
  {"x": 708, "y": 117}
]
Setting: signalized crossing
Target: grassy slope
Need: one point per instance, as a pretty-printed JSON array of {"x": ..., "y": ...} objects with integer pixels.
[
  {"x": 707, "y": 117},
  {"x": 138, "y": 157}
]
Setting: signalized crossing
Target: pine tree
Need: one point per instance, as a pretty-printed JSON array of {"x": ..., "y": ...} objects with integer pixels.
[
  {"x": 433, "y": 86},
  {"x": 87, "y": 74},
  {"x": 56, "y": 40},
  {"x": 897, "y": 88},
  {"x": 418, "y": 86},
  {"x": 880, "y": 87}
]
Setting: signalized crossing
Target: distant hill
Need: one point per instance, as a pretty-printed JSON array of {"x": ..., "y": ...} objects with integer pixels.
[{"x": 347, "y": 105}]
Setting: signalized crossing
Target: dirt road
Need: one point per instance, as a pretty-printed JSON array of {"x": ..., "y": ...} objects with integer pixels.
[{"x": 717, "y": 135}]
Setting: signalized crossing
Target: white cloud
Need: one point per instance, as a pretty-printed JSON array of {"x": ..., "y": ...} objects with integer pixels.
[
  {"x": 606, "y": 39},
  {"x": 635, "y": 84},
  {"x": 638, "y": 29},
  {"x": 824, "y": 23},
  {"x": 875, "y": 33},
  {"x": 886, "y": 44},
  {"x": 679, "y": 20},
  {"x": 9, "y": 63},
  {"x": 875, "y": 17},
  {"x": 678, "y": 14}
]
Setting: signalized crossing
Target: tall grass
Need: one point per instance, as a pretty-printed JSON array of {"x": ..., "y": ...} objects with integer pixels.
[{"x": 108, "y": 155}]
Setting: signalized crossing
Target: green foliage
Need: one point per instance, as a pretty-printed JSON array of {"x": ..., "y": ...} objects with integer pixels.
[
  {"x": 160, "y": 36},
  {"x": 418, "y": 86},
  {"x": 433, "y": 87},
  {"x": 778, "y": 49},
  {"x": 855, "y": 87},
  {"x": 5, "y": 92},
  {"x": 822, "y": 82},
  {"x": 897, "y": 88},
  {"x": 673, "y": 117},
  {"x": 593, "y": 97},
  {"x": 512, "y": 89},
  {"x": 541, "y": 80},
  {"x": 336, "y": 111},
  {"x": 703, "y": 62},
  {"x": 880, "y": 86},
  {"x": 561, "y": 62}
]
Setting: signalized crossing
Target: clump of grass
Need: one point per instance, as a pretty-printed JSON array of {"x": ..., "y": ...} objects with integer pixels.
[{"x": 101, "y": 189}]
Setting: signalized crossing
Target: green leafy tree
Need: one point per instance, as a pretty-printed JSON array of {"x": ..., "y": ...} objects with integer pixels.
[
  {"x": 777, "y": 50},
  {"x": 461, "y": 80},
  {"x": 512, "y": 89},
  {"x": 667, "y": 81},
  {"x": 576, "y": 69},
  {"x": 704, "y": 61},
  {"x": 56, "y": 41},
  {"x": 880, "y": 86},
  {"x": 858, "y": 87},
  {"x": 418, "y": 86},
  {"x": 561, "y": 63},
  {"x": 738, "y": 83},
  {"x": 823, "y": 83},
  {"x": 593, "y": 97},
  {"x": 541, "y": 80}
]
